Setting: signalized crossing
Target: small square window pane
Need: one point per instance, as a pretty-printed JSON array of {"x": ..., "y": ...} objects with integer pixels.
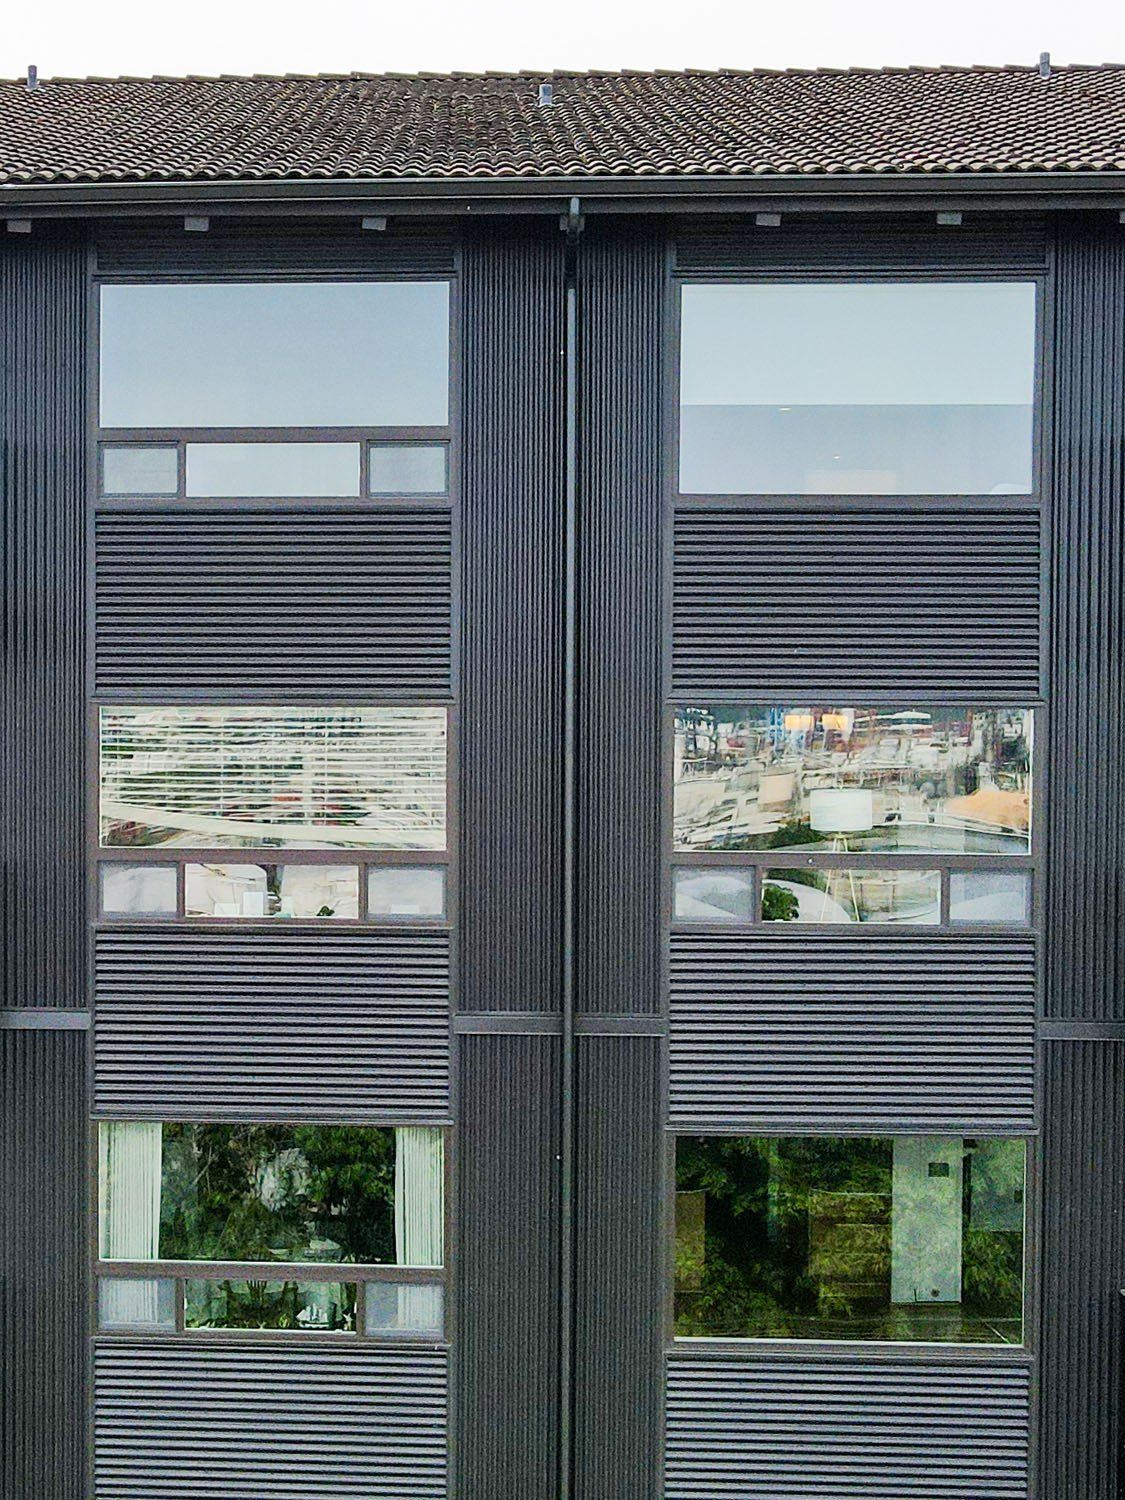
[
  {"x": 408, "y": 469},
  {"x": 138, "y": 890},
  {"x": 394, "y": 1307},
  {"x": 126, "y": 1302},
  {"x": 140, "y": 471},
  {"x": 713, "y": 896},
  {"x": 1000, "y": 896},
  {"x": 405, "y": 891}
]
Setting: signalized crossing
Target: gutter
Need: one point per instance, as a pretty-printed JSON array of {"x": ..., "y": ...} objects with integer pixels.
[{"x": 870, "y": 192}]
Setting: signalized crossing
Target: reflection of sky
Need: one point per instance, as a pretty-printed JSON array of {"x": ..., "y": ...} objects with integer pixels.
[
  {"x": 287, "y": 354},
  {"x": 865, "y": 343}
]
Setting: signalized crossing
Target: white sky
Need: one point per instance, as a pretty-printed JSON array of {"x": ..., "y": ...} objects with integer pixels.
[{"x": 277, "y": 36}]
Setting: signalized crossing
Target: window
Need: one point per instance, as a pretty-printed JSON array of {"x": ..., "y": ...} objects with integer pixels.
[
  {"x": 853, "y": 780},
  {"x": 226, "y": 890},
  {"x": 297, "y": 778},
  {"x": 308, "y": 1214},
  {"x": 277, "y": 354},
  {"x": 909, "y": 388},
  {"x": 904, "y": 1239},
  {"x": 138, "y": 890},
  {"x": 133, "y": 470},
  {"x": 408, "y": 469},
  {"x": 273, "y": 470},
  {"x": 848, "y": 895}
]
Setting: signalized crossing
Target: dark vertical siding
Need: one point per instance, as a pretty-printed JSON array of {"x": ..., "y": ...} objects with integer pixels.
[
  {"x": 507, "y": 1340},
  {"x": 512, "y": 506},
  {"x": 42, "y": 1264},
  {"x": 42, "y": 447}
]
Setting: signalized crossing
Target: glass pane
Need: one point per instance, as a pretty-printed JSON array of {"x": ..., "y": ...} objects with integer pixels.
[
  {"x": 282, "y": 354},
  {"x": 128, "y": 1303},
  {"x": 848, "y": 780},
  {"x": 391, "y": 1308},
  {"x": 274, "y": 470},
  {"x": 407, "y": 469},
  {"x": 271, "y": 891},
  {"x": 402, "y": 891},
  {"x": 320, "y": 1193},
  {"x": 864, "y": 388},
  {"x": 713, "y": 896},
  {"x": 295, "y": 778},
  {"x": 990, "y": 896},
  {"x": 915, "y": 1239},
  {"x": 138, "y": 890},
  {"x": 295, "y": 1306},
  {"x": 140, "y": 471},
  {"x": 910, "y": 896}
]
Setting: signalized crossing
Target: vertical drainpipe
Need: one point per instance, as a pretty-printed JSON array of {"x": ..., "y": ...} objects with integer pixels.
[{"x": 572, "y": 224}]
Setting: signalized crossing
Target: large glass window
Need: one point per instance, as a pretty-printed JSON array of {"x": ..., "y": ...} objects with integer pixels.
[
  {"x": 857, "y": 388},
  {"x": 847, "y": 780},
  {"x": 911, "y": 1238},
  {"x": 298, "y": 778},
  {"x": 295, "y": 1199},
  {"x": 277, "y": 354}
]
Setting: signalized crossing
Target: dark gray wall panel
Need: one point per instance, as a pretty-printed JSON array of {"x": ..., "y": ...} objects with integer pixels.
[
  {"x": 814, "y": 601},
  {"x": 235, "y": 247},
  {"x": 338, "y": 605},
  {"x": 819, "y": 1429},
  {"x": 512, "y": 677},
  {"x": 259, "y": 1423},
  {"x": 618, "y": 1268},
  {"x": 1086, "y": 813},
  {"x": 832, "y": 244},
  {"x": 1083, "y": 1270},
  {"x": 782, "y": 1031},
  {"x": 42, "y": 486},
  {"x": 43, "y": 1250},
  {"x": 272, "y": 1024}
]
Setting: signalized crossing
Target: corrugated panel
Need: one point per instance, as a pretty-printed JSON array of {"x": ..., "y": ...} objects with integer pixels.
[
  {"x": 619, "y": 623},
  {"x": 847, "y": 1429},
  {"x": 507, "y": 1342},
  {"x": 808, "y": 601},
  {"x": 42, "y": 487},
  {"x": 272, "y": 1024},
  {"x": 234, "y": 247},
  {"x": 43, "y": 1254},
  {"x": 512, "y": 597},
  {"x": 256, "y": 604},
  {"x": 1083, "y": 1270},
  {"x": 886, "y": 244},
  {"x": 1086, "y": 830},
  {"x": 257, "y": 1423},
  {"x": 618, "y": 1267},
  {"x": 781, "y": 1031}
]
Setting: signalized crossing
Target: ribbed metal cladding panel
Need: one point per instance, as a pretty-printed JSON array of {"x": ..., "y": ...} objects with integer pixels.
[
  {"x": 618, "y": 1268},
  {"x": 887, "y": 244},
  {"x": 800, "y": 602},
  {"x": 261, "y": 604},
  {"x": 237, "y": 247},
  {"x": 42, "y": 454},
  {"x": 507, "y": 1346},
  {"x": 781, "y": 1031},
  {"x": 272, "y": 1025},
  {"x": 512, "y": 597},
  {"x": 1082, "y": 1269},
  {"x": 810, "y": 1429},
  {"x": 619, "y": 621},
  {"x": 43, "y": 1253},
  {"x": 255, "y": 1423},
  {"x": 1086, "y": 830}
]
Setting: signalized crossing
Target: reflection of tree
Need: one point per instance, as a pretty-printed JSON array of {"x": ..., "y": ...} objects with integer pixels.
[
  {"x": 778, "y": 904},
  {"x": 274, "y": 1192}
]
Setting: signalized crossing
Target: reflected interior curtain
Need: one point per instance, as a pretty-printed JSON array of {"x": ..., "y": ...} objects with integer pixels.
[
  {"x": 419, "y": 1220},
  {"x": 129, "y": 1164}
]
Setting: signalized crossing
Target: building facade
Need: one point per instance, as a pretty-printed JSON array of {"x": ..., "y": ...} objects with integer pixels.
[{"x": 486, "y": 615}]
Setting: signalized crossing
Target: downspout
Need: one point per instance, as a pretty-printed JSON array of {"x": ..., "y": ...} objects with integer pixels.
[{"x": 572, "y": 225}]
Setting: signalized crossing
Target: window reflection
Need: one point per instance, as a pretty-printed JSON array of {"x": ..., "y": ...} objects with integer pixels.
[
  {"x": 912, "y": 897},
  {"x": 840, "y": 780},
  {"x": 915, "y": 1238},
  {"x": 230, "y": 890},
  {"x": 713, "y": 896},
  {"x": 990, "y": 896},
  {"x": 295, "y": 1306}
]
